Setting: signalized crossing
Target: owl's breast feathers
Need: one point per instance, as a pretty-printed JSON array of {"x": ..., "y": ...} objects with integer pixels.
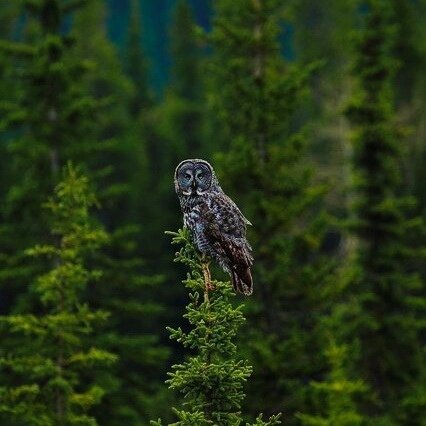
[{"x": 219, "y": 230}]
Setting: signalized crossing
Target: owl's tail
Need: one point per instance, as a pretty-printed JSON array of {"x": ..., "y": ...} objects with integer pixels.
[{"x": 242, "y": 281}]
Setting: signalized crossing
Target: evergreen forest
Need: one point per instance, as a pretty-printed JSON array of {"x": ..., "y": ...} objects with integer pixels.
[{"x": 313, "y": 116}]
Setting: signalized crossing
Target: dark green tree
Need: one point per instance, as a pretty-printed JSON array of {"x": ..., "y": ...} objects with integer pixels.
[
  {"x": 111, "y": 88},
  {"x": 135, "y": 381},
  {"x": 46, "y": 379},
  {"x": 255, "y": 95},
  {"x": 336, "y": 396},
  {"x": 48, "y": 121},
  {"x": 321, "y": 28},
  {"x": 72, "y": 105},
  {"x": 9, "y": 13},
  {"x": 410, "y": 98},
  {"x": 185, "y": 53},
  {"x": 138, "y": 133},
  {"x": 211, "y": 380},
  {"x": 385, "y": 299},
  {"x": 9, "y": 92},
  {"x": 137, "y": 64},
  {"x": 186, "y": 85}
]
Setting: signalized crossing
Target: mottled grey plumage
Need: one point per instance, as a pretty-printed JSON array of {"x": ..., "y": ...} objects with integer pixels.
[{"x": 217, "y": 226}]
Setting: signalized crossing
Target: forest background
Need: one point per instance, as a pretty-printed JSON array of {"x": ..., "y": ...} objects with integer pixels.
[{"x": 313, "y": 114}]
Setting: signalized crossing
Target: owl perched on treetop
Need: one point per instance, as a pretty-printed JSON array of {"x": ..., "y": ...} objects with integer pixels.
[{"x": 217, "y": 226}]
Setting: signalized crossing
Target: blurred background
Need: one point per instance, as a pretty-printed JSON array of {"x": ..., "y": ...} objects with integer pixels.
[{"x": 313, "y": 115}]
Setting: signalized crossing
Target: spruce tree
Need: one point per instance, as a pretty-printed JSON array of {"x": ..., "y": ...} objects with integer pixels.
[
  {"x": 9, "y": 92},
  {"x": 337, "y": 395},
  {"x": 321, "y": 29},
  {"x": 184, "y": 49},
  {"x": 255, "y": 95},
  {"x": 46, "y": 122},
  {"x": 136, "y": 63},
  {"x": 410, "y": 99},
  {"x": 135, "y": 381},
  {"x": 140, "y": 106},
  {"x": 211, "y": 380},
  {"x": 186, "y": 83},
  {"x": 385, "y": 300},
  {"x": 72, "y": 105},
  {"x": 108, "y": 84},
  {"x": 48, "y": 378}
]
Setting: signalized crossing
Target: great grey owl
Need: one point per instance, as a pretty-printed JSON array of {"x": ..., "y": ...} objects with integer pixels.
[{"x": 217, "y": 226}]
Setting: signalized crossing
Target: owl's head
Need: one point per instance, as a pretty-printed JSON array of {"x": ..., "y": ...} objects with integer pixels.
[{"x": 194, "y": 177}]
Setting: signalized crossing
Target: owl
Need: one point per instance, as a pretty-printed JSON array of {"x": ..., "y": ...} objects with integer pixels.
[{"x": 217, "y": 226}]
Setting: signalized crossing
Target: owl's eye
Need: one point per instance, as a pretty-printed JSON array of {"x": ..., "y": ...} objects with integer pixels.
[
  {"x": 201, "y": 175},
  {"x": 187, "y": 177}
]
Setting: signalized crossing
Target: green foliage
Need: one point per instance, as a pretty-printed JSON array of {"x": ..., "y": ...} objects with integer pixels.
[
  {"x": 211, "y": 380},
  {"x": 48, "y": 121},
  {"x": 265, "y": 167},
  {"x": 185, "y": 52},
  {"x": 321, "y": 30},
  {"x": 136, "y": 63},
  {"x": 68, "y": 93},
  {"x": 387, "y": 294},
  {"x": 410, "y": 99},
  {"x": 47, "y": 374},
  {"x": 336, "y": 395},
  {"x": 135, "y": 381},
  {"x": 73, "y": 105},
  {"x": 111, "y": 89}
]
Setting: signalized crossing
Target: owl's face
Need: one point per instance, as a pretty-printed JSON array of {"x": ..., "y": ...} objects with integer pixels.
[{"x": 193, "y": 177}]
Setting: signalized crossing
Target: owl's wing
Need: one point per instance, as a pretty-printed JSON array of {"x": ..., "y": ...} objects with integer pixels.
[
  {"x": 239, "y": 259},
  {"x": 235, "y": 249},
  {"x": 225, "y": 229}
]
